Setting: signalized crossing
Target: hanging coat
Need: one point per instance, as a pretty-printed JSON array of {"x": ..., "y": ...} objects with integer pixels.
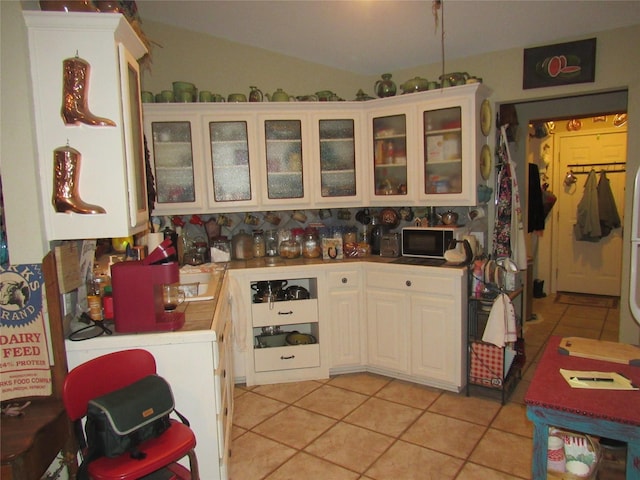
[
  {"x": 609, "y": 218},
  {"x": 587, "y": 228},
  {"x": 536, "y": 216}
]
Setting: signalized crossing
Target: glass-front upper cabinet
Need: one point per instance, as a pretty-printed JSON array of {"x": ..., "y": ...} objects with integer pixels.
[
  {"x": 452, "y": 133},
  {"x": 174, "y": 139},
  {"x": 174, "y": 167},
  {"x": 337, "y": 176},
  {"x": 231, "y": 176},
  {"x": 389, "y": 158},
  {"x": 284, "y": 177},
  {"x": 443, "y": 150}
]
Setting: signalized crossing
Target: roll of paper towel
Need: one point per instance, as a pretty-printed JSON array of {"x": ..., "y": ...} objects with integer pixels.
[{"x": 153, "y": 240}]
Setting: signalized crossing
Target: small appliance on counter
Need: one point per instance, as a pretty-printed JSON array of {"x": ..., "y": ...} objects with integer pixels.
[
  {"x": 429, "y": 242},
  {"x": 138, "y": 297}
]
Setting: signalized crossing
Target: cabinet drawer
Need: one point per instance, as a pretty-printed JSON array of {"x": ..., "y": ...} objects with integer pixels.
[
  {"x": 349, "y": 279},
  {"x": 414, "y": 283},
  {"x": 283, "y": 313},
  {"x": 287, "y": 358}
]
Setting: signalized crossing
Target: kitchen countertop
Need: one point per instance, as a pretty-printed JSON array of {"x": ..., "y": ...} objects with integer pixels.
[
  {"x": 199, "y": 314},
  {"x": 301, "y": 261}
]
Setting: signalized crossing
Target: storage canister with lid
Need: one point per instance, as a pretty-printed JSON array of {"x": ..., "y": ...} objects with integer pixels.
[
  {"x": 311, "y": 244},
  {"x": 242, "y": 246}
]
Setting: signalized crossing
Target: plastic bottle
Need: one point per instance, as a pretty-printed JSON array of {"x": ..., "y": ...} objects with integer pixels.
[{"x": 107, "y": 303}]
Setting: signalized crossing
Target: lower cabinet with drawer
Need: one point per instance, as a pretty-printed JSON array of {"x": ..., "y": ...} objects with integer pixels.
[
  {"x": 286, "y": 334},
  {"x": 416, "y": 324}
]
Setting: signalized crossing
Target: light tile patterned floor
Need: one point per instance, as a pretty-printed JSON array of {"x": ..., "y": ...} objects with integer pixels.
[{"x": 365, "y": 426}]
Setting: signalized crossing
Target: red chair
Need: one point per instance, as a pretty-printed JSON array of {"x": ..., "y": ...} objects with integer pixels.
[{"x": 111, "y": 372}]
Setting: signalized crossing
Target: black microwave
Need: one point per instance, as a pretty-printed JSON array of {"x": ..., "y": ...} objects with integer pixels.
[{"x": 428, "y": 242}]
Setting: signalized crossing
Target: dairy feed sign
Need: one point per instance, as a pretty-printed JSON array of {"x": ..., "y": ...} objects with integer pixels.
[{"x": 24, "y": 356}]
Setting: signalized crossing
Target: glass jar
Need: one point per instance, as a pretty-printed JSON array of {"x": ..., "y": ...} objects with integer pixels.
[
  {"x": 290, "y": 248},
  {"x": 242, "y": 246},
  {"x": 271, "y": 243},
  {"x": 350, "y": 235},
  {"x": 259, "y": 247},
  {"x": 311, "y": 245},
  {"x": 298, "y": 235}
]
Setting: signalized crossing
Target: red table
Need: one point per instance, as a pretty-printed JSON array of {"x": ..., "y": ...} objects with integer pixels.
[{"x": 608, "y": 413}]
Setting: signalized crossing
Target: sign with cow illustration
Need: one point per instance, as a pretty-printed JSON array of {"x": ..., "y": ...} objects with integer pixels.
[
  {"x": 24, "y": 355},
  {"x": 559, "y": 64}
]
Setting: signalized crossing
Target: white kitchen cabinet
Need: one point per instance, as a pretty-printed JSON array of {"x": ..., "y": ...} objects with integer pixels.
[
  {"x": 176, "y": 148},
  {"x": 109, "y": 170},
  {"x": 281, "y": 363},
  {"x": 199, "y": 367},
  {"x": 338, "y": 177},
  {"x": 415, "y": 149},
  {"x": 424, "y": 147},
  {"x": 417, "y": 322},
  {"x": 231, "y": 161},
  {"x": 450, "y": 144},
  {"x": 392, "y": 154},
  {"x": 435, "y": 346},
  {"x": 284, "y": 140},
  {"x": 204, "y": 158},
  {"x": 344, "y": 310},
  {"x": 388, "y": 329}
]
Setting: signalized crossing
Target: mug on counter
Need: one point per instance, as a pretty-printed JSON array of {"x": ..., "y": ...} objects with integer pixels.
[{"x": 172, "y": 296}]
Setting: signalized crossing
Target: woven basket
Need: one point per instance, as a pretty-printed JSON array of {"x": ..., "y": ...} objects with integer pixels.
[{"x": 578, "y": 446}]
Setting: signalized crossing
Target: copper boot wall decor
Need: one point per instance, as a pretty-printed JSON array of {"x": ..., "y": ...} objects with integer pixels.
[
  {"x": 66, "y": 176},
  {"x": 75, "y": 94}
]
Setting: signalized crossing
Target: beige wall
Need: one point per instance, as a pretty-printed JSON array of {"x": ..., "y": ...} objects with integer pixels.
[{"x": 226, "y": 67}]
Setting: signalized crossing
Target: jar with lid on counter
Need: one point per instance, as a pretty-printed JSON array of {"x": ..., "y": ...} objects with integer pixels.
[
  {"x": 291, "y": 247},
  {"x": 242, "y": 246},
  {"x": 311, "y": 244}
]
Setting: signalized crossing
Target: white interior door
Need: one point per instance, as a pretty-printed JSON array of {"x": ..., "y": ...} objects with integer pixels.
[{"x": 588, "y": 267}]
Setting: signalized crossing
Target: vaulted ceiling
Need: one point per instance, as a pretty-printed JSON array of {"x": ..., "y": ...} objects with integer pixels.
[{"x": 372, "y": 36}]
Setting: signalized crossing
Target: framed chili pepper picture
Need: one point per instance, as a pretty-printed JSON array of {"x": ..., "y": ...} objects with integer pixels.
[{"x": 559, "y": 64}]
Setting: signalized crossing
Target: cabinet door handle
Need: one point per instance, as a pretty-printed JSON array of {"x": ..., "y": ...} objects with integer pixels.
[
  {"x": 344, "y": 280},
  {"x": 282, "y": 357},
  {"x": 408, "y": 283},
  {"x": 290, "y": 312}
]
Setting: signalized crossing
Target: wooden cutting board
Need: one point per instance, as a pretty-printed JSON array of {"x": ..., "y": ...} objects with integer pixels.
[{"x": 600, "y": 350}]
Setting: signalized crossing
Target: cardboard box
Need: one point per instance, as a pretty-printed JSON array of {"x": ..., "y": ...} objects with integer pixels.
[{"x": 332, "y": 249}]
